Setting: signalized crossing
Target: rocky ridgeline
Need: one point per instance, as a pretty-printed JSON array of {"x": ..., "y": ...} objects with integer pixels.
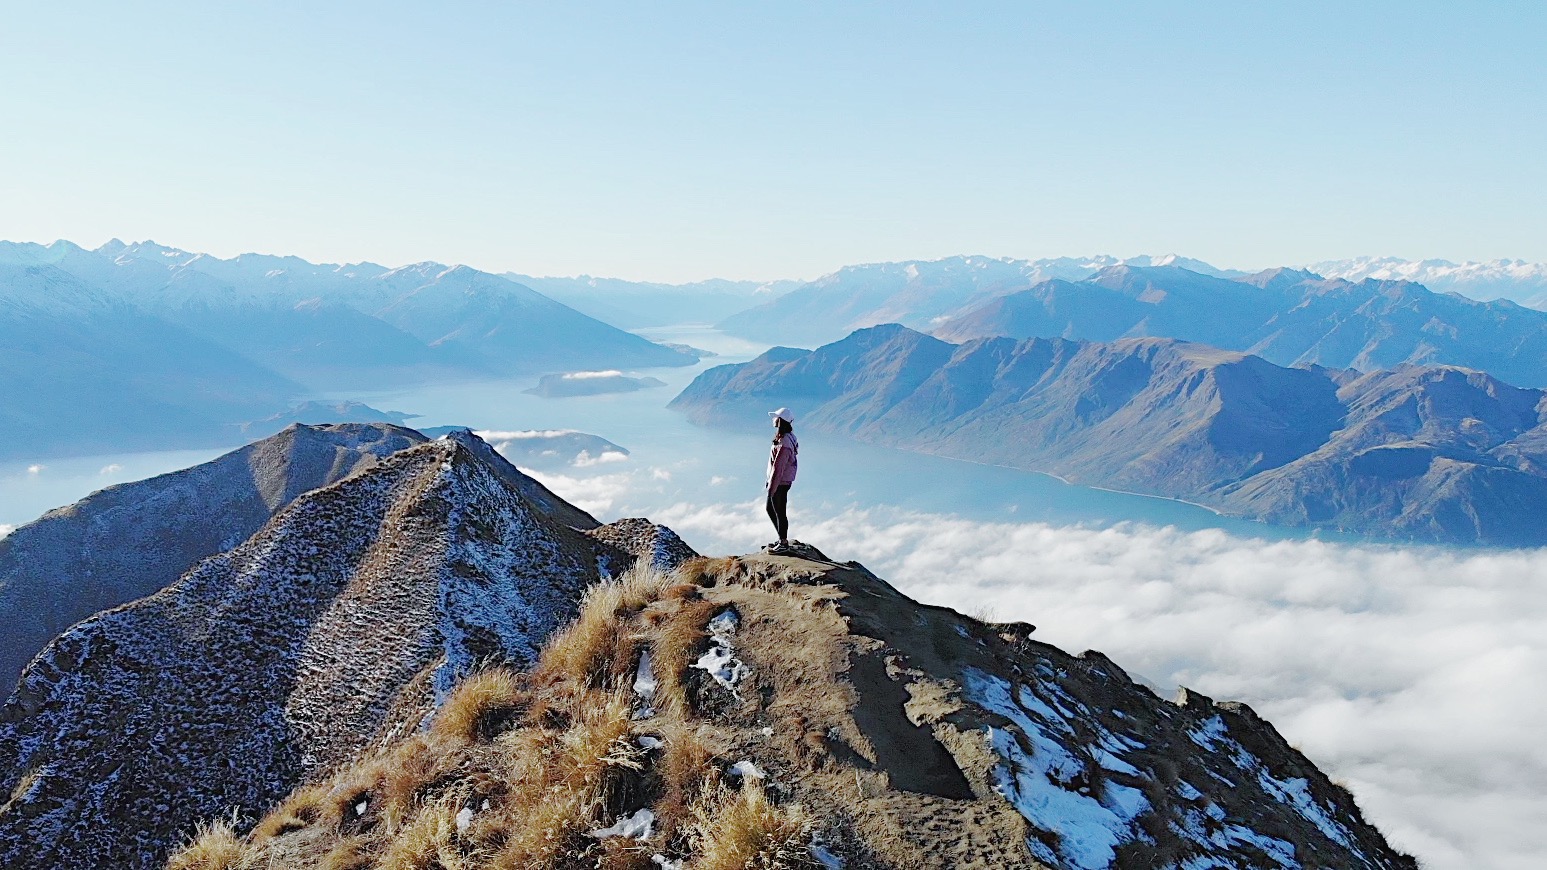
[
  {"x": 816, "y": 718},
  {"x": 343, "y": 619}
]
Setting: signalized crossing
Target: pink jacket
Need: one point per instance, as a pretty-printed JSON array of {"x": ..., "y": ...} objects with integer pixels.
[{"x": 783, "y": 462}]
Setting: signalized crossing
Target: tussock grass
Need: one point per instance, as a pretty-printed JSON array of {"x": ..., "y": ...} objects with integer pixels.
[
  {"x": 483, "y": 705},
  {"x": 743, "y": 830},
  {"x": 679, "y": 640},
  {"x": 306, "y": 806},
  {"x": 600, "y": 647},
  {"x": 215, "y": 846}
]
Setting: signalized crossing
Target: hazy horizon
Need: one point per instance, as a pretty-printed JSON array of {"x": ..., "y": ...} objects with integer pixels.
[{"x": 683, "y": 140}]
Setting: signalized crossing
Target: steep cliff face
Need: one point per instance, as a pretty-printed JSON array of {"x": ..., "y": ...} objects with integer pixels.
[
  {"x": 794, "y": 712},
  {"x": 130, "y": 540},
  {"x": 343, "y": 619},
  {"x": 1421, "y": 452}
]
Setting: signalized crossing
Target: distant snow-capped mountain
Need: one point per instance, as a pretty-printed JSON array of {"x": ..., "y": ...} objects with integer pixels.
[
  {"x": 1516, "y": 280},
  {"x": 917, "y": 293},
  {"x": 132, "y": 344}
]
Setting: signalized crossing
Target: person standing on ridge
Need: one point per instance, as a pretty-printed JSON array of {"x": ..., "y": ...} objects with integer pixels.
[{"x": 783, "y": 462}]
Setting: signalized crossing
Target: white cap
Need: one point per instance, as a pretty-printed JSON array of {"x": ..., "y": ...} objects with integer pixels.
[{"x": 784, "y": 414}]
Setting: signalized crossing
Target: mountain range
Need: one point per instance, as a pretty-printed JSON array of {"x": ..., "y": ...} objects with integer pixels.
[
  {"x": 1286, "y": 316},
  {"x": 430, "y": 660},
  {"x": 643, "y": 304},
  {"x": 129, "y": 345},
  {"x": 1431, "y": 453},
  {"x": 922, "y": 294}
]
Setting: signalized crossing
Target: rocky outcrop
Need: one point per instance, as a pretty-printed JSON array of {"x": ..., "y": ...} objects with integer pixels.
[
  {"x": 340, "y": 622},
  {"x": 1430, "y": 453},
  {"x": 132, "y": 539}
]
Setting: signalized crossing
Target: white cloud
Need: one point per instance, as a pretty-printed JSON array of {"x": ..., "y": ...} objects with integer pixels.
[
  {"x": 36, "y": 469},
  {"x": 6, "y": 530},
  {"x": 585, "y": 376},
  {"x": 660, "y": 474},
  {"x": 1417, "y": 675},
  {"x": 493, "y": 435},
  {"x": 584, "y": 459},
  {"x": 720, "y": 480},
  {"x": 114, "y": 468}
]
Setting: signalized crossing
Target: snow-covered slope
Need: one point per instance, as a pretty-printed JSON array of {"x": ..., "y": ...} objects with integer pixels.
[{"x": 344, "y": 619}]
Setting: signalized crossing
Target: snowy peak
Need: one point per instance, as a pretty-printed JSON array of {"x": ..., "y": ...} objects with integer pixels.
[{"x": 1517, "y": 280}]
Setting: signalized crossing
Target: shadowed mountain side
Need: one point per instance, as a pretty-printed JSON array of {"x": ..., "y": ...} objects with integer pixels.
[
  {"x": 132, "y": 539},
  {"x": 1427, "y": 453},
  {"x": 1286, "y": 316},
  {"x": 135, "y": 346},
  {"x": 343, "y": 619},
  {"x": 85, "y": 369}
]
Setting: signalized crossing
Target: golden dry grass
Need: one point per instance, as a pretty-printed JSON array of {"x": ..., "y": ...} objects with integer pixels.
[
  {"x": 743, "y": 830},
  {"x": 599, "y": 648},
  {"x": 214, "y": 847},
  {"x": 482, "y": 705},
  {"x": 305, "y": 806}
]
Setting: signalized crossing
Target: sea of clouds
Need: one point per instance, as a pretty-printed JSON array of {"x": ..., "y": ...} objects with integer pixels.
[{"x": 1415, "y": 675}]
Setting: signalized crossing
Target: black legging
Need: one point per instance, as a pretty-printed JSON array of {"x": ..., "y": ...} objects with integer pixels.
[{"x": 778, "y": 499}]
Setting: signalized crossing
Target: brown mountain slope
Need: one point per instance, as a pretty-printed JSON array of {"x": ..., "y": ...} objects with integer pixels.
[
  {"x": 347, "y": 616},
  {"x": 792, "y": 712}
]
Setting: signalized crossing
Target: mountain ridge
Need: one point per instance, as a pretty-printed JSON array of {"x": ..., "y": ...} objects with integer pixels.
[
  {"x": 344, "y": 617},
  {"x": 1423, "y": 453}
]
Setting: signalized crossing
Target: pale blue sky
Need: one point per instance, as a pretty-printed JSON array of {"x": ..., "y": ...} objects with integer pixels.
[{"x": 684, "y": 140}]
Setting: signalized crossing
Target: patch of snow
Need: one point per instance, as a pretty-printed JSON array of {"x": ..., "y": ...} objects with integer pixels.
[
  {"x": 825, "y": 858},
  {"x": 1185, "y": 789},
  {"x": 647, "y": 743},
  {"x": 746, "y": 769},
  {"x": 645, "y": 686},
  {"x": 1038, "y": 783},
  {"x": 1209, "y": 733},
  {"x": 666, "y": 863},
  {"x": 1296, "y": 792},
  {"x": 464, "y": 819},
  {"x": 635, "y": 827},
  {"x": 720, "y": 660}
]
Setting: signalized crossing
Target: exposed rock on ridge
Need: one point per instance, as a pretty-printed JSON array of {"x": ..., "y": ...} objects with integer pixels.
[{"x": 343, "y": 619}]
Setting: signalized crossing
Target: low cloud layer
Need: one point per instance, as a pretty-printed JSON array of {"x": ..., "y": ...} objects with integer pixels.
[
  {"x": 1416, "y": 675},
  {"x": 6, "y": 530}
]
